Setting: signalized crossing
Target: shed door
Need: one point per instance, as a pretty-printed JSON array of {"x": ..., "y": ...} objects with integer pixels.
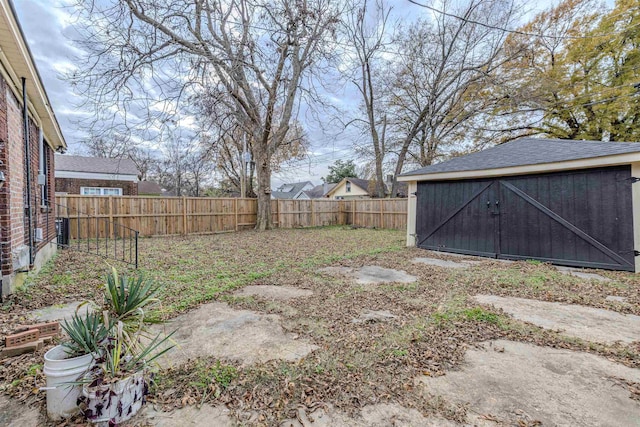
[
  {"x": 580, "y": 218},
  {"x": 458, "y": 216}
]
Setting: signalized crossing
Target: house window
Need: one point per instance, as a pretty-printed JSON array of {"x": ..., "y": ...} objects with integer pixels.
[
  {"x": 348, "y": 185},
  {"x": 100, "y": 191}
]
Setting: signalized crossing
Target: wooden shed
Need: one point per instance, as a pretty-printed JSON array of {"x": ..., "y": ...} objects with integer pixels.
[{"x": 566, "y": 202}]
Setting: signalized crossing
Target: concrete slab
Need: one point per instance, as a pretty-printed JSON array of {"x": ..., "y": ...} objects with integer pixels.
[
  {"x": 371, "y": 274},
  {"x": 16, "y": 414},
  {"x": 223, "y": 332},
  {"x": 280, "y": 293},
  {"x": 581, "y": 274},
  {"x": 441, "y": 263},
  {"x": 512, "y": 380},
  {"x": 381, "y": 415},
  {"x": 372, "y": 316},
  {"x": 60, "y": 312},
  {"x": 588, "y": 323},
  {"x": 206, "y": 415}
]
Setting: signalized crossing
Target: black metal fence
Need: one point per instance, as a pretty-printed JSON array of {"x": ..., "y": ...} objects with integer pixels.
[{"x": 99, "y": 236}]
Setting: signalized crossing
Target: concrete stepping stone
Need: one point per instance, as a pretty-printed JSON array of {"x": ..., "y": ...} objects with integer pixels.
[
  {"x": 223, "y": 332},
  {"x": 581, "y": 274},
  {"x": 380, "y": 415},
  {"x": 280, "y": 293},
  {"x": 371, "y": 274},
  {"x": 60, "y": 311},
  {"x": 587, "y": 323},
  {"x": 16, "y": 414},
  {"x": 367, "y": 316},
  {"x": 515, "y": 381},
  {"x": 190, "y": 416}
]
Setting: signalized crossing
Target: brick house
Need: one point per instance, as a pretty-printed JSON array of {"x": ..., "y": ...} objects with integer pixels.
[
  {"x": 96, "y": 176},
  {"x": 29, "y": 135}
]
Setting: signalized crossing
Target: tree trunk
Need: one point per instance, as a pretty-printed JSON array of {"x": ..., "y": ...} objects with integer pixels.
[{"x": 263, "y": 171}]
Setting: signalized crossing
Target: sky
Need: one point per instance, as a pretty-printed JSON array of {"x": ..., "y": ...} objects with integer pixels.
[{"x": 47, "y": 25}]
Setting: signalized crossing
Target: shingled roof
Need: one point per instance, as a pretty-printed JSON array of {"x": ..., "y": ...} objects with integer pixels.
[
  {"x": 95, "y": 164},
  {"x": 529, "y": 151}
]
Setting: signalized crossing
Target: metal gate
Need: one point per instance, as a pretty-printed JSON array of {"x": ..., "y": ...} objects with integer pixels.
[{"x": 579, "y": 218}]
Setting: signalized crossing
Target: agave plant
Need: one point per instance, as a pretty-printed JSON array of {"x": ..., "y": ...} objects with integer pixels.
[
  {"x": 87, "y": 333},
  {"x": 126, "y": 301}
]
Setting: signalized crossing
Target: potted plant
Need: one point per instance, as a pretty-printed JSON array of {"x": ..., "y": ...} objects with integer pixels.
[
  {"x": 115, "y": 387},
  {"x": 65, "y": 364},
  {"x": 111, "y": 346}
]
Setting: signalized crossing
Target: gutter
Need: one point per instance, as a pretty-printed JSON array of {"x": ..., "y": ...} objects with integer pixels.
[{"x": 27, "y": 151}]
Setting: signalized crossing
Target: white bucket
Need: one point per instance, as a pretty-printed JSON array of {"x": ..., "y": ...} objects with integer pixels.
[
  {"x": 62, "y": 396},
  {"x": 118, "y": 401}
]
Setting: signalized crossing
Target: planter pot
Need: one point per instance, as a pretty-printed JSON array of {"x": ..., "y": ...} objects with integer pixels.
[
  {"x": 115, "y": 402},
  {"x": 61, "y": 371}
]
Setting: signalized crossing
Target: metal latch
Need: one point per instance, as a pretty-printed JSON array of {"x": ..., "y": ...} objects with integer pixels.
[{"x": 633, "y": 179}]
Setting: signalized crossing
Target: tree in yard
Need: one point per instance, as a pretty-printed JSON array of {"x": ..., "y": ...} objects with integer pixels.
[
  {"x": 447, "y": 62},
  {"x": 579, "y": 74},
  {"x": 367, "y": 33},
  {"x": 255, "y": 54},
  {"x": 340, "y": 170}
]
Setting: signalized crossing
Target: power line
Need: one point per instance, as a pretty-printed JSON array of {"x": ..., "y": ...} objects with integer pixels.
[{"x": 506, "y": 30}]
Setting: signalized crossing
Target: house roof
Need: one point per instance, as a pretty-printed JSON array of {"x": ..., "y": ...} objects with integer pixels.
[
  {"x": 17, "y": 61},
  {"x": 526, "y": 152},
  {"x": 95, "y": 165},
  {"x": 318, "y": 191},
  {"x": 149, "y": 187},
  {"x": 290, "y": 191}
]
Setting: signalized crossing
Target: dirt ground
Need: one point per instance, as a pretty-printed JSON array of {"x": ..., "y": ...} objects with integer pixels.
[{"x": 356, "y": 365}]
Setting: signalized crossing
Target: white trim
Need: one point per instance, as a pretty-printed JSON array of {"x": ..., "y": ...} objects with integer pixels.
[
  {"x": 101, "y": 191},
  {"x": 92, "y": 175},
  {"x": 592, "y": 162},
  {"x": 17, "y": 61},
  {"x": 411, "y": 213}
]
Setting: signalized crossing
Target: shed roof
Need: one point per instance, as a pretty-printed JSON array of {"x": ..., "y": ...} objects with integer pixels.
[
  {"x": 95, "y": 165},
  {"x": 529, "y": 151}
]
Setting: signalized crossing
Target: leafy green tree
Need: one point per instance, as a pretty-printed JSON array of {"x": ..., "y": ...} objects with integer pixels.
[
  {"x": 579, "y": 72},
  {"x": 340, "y": 170}
]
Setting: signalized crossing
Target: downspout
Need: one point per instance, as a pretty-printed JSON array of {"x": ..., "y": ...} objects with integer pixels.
[
  {"x": 42, "y": 174},
  {"x": 27, "y": 152}
]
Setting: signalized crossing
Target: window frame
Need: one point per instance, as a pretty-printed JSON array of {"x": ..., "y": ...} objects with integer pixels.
[{"x": 101, "y": 191}]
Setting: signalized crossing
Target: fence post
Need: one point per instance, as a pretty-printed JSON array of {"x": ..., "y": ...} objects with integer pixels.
[
  {"x": 381, "y": 213},
  {"x": 110, "y": 225},
  {"x": 184, "y": 215},
  {"x": 353, "y": 212},
  {"x": 235, "y": 208},
  {"x": 279, "y": 209},
  {"x": 313, "y": 215}
]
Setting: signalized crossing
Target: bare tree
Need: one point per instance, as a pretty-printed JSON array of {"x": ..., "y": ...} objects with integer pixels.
[
  {"x": 446, "y": 63},
  {"x": 255, "y": 53},
  {"x": 367, "y": 31}
]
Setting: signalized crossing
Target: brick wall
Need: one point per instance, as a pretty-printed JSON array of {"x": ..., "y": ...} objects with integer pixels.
[
  {"x": 72, "y": 185},
  {"x": 14, "y": 236}
]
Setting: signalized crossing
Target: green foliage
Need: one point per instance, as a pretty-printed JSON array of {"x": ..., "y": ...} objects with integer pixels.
[
  {"x": 87, "y": 333},
  {"x": 585, "y": 81},
  {"x": 340, "y": 170}
]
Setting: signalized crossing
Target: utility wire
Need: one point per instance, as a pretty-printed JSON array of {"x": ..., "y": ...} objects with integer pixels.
[{"x": 506, "y": 30}]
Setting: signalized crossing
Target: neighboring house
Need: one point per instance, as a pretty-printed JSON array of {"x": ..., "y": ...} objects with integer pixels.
[
  {"x": 573, "y": 203},
  {"x": 320, "y": 191},
  {"x": 351, "y": 188},
  {"x": 149, "y": 188},
  {"x": 29, "y": 135},
  {"x": 96, "y": 176},
  {"x": 296, "y": 190}
]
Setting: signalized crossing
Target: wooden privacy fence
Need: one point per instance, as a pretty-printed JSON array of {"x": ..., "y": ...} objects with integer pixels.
[{"x": 166, "y": 216}]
